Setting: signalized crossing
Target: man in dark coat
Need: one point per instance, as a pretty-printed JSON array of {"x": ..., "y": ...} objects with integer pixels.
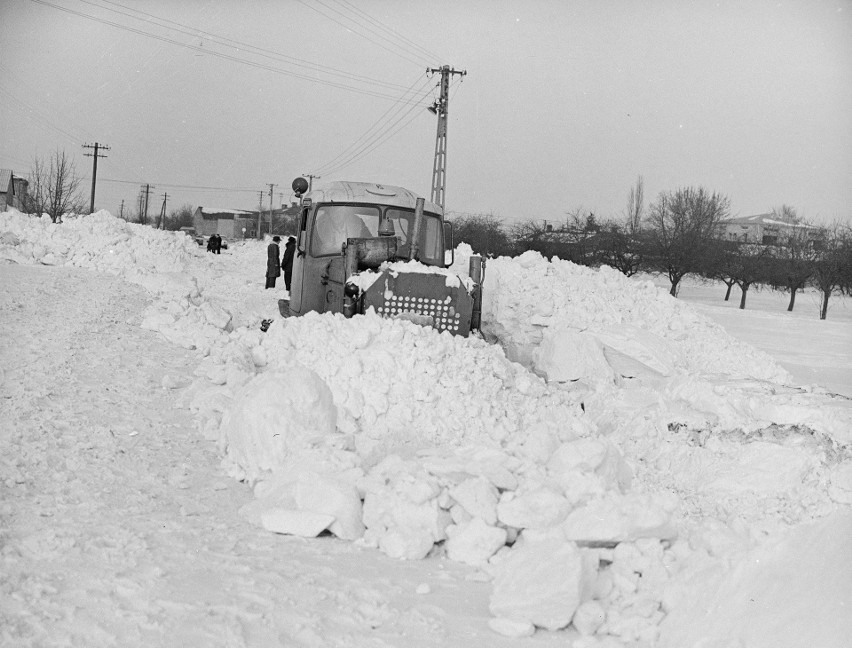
[
  {"x": 217, "y": 244},
  {"x": 273, "y": 262},
  {"x": 287, "y": 261}
]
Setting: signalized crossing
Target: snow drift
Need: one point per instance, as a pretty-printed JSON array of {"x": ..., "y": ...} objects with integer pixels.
[{"x": 601, "y": 459}]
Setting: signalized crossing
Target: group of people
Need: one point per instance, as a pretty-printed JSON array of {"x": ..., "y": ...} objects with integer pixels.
[
  {"x": 214, "y": 244},
  {"x": 275, "y": 264}
]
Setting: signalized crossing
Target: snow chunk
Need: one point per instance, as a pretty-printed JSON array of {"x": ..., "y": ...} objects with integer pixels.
[
  {"x": 543, "y": 582},
  {"x": 275, "y": 415},
  {"x": 474, "y": 542}
]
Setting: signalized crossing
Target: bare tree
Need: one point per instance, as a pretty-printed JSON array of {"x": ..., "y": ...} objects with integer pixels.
[
  {"x": 748, "y": 264},
  {"x": 636, "y": 206},
  {"x": 833, "y": 264},
  {"x": 620, "y": 249},
  {"x": 483, "y": 232},
  {"x": 532, "y": 235},
  {"x": 180, "y": 217},
  {"x": 54, "y": 187},
  {"x": 683, "y": 226},
  {"x": 795, "y": 262}
]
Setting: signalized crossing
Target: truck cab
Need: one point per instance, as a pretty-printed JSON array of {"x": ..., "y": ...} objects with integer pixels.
[{"x": 354, "y": 251}]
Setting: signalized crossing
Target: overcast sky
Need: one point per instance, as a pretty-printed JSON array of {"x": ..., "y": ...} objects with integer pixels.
[{"x": 564, "y": 103}]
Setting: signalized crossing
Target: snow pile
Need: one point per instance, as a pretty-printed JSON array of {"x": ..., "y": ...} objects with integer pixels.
[
  {"x": 658, "y": 453},
  {"x": 550, "y": 315},
  {"x": 98, "y": 241}
]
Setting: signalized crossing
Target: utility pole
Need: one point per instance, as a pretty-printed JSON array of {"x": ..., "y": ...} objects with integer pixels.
[
  {"x": 441, "y": 108},
  {"x": 145, "y": 213},
  {"x": 311, "y": 180},
  {"x": 271, "y": 185},
  {"x": 121, "y": 213},
  {"x": 259, "y": 216},
  {"x": 162, "y": 223},
  {"x": 94, "y": 157}
]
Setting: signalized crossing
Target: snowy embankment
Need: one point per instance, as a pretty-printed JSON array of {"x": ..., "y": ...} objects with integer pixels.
[{"x": 616, "y": 463}]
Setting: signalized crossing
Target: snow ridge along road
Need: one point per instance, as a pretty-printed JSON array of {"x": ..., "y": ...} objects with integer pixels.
[{"x": 118, "y": 527}]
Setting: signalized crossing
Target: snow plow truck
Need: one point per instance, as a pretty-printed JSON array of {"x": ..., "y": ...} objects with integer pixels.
[{"x": 361, "y": 245}]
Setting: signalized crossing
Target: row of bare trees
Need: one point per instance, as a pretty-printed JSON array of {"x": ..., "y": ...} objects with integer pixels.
[
  {"x": 677, "y": 235},
  {"x": 55, "y": 189}
]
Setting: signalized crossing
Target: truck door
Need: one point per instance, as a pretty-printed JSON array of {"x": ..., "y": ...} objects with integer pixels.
[{"x": 298, "y": 279}]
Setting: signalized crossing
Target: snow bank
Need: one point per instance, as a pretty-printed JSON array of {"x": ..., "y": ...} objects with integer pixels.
[
  {"x": 530, "y": 303},
  {"x": 647, "y": 452}
]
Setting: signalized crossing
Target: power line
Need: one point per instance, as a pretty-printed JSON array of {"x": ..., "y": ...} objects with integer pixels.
[
  {"x": 240, "y": 46},
  {"x": 360, "y": 143},
  {"x": 355, "y": 156},
  {"x": 429, "y": 54},
  {"x": 222, "y": 55},
  {"x": 37, "y": 117},
  {"x": 182, "y": 186},
  {"x": 350, "y": 28}
]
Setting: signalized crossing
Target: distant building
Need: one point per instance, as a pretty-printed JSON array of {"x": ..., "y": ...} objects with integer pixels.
[
  {"x": 767, "y": 229},
  {"x": 239, "y": 223},
  {"x": 13, "y": 190},
  {"x": 283, "y": 220},
  {"x": 227, "y": 223}
]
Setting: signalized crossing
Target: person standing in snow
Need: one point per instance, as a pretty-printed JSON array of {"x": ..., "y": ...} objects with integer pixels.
[
  {"x": 217, "y": 244},
  {"x": 273, "y": 262},
  {"x": 287, "y": 261},
  {"x": 211, "y": 242}
]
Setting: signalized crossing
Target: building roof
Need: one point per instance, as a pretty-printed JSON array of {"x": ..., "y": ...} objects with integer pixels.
[
  {"x": 217, "y": 211},
  {"x": 5, "y": 179},
  {"x": 368, "y": 192},
  {"x": 764, "y": 219}
]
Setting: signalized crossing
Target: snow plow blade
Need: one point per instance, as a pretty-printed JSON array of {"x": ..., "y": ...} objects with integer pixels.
[{"x": 422, "y": 298}]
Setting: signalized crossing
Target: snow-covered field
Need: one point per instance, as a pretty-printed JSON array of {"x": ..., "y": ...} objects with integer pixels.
[{"x": 608, "y": 467}]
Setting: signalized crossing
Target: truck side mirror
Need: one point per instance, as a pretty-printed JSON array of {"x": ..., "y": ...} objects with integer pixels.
[{"x": 449, "y": 246}]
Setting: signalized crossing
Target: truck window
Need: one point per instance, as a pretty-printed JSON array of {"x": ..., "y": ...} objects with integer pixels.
[
  {"x": 333, "y": 224},
  {"x": 431, "y": 250}
]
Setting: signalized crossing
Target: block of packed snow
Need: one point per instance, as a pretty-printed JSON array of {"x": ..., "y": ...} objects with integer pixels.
[
  {"x": 841, "y": 483},
  {"x": 274, "y": 415},
  {"x": 616, "y": 518},
  {"x": 300, "y": 523},
  {"x": 541, "y": 582},
  {"x": 566, "y": 354},
  {"x": 478, "y": 497},
  {"x": 579, "y": 454},
  {"x": 401, "y": 511},
  {"x": 474, "y": 542},
  {"x": 323, "y": 494},
  {"x": 539, "y": 508},
  {"x": 589, "y": 616},
  {"x": 760, "y": 467}
]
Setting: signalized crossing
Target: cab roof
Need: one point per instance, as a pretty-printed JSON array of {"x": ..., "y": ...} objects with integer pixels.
[{"x": 368, "y": 192}]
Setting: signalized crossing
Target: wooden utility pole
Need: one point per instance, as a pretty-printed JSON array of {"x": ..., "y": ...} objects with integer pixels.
[
  {"x": 94, "y": 157},
  {"x": 271, "y": 185},
  {"x": 441, "y": 108},
  {"x": 259, "y": 216},
  {"x": 162, "y": 223},
  {"x": 121, "y": 213},
  {"x": 147, "y": 191},
  {"x": 311, "y": 180}
]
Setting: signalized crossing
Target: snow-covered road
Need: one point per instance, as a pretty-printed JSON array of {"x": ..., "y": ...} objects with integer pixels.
[{"x": 120, "y": 528}]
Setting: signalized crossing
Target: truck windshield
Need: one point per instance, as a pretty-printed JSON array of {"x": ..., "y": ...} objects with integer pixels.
[
  {"x": 430, "y": 239},
  {"x": 333, "y": 224}
]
